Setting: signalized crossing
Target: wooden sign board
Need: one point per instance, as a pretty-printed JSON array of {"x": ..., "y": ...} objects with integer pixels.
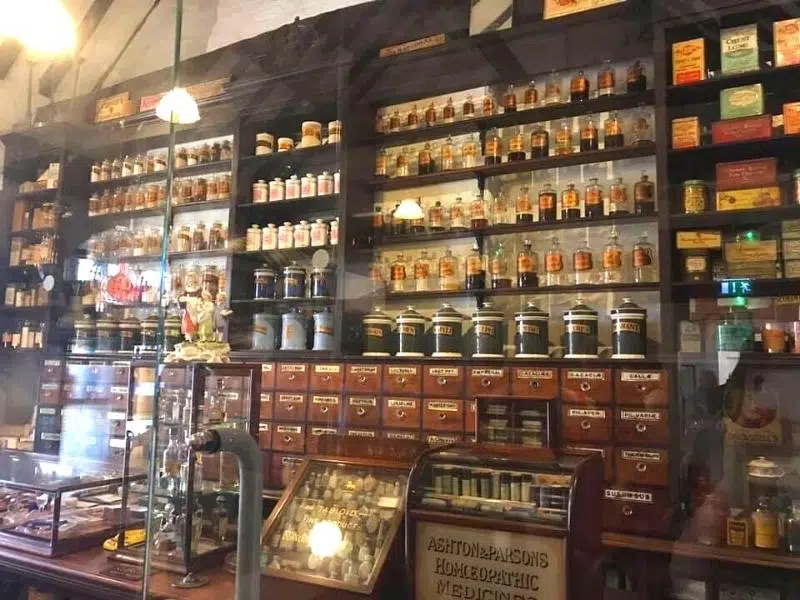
[
  {"x": 114, "y": 108},
  {"x": 200, "y": 91},
  {"x": 553, "y": 9},
  {"x": 464, "y": 562},
  {"x": 414, "y": 45}
]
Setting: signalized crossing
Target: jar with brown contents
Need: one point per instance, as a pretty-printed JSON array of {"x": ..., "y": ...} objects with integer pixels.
[
  {"x": 151, "y": 199},
  {"x": 153, "y": 242},
  {"x": 186, "y": 191},
  {"x": 494, "y": 150},
  {"x": 644, "y": 202},
  {"x": 224, "y": 186},
  {"x": 449, "y": 112},
  {"x": 425, "y": 160},
  {"x": 579, "y": 88},
  {"x": 181, "y": 158},
  {"x": 204, "y": 156},
  {"x": 199, "y": 238},
  {"x": 548, "y": 210},
  {"x": 191, "y": 157},
  {"x": 183, "y": 239},
  {"x": 510, "y": 100},
  {"x": 614, "y": 136},
  {"x": 199, "y": 190},
  {"x": 212, "y": 189},
  {"x": 540, "y": 142},
  {"x": 589, "y": 137},
  {"x": 564, "y": 139},
  {"x": 216, "y": 237},
  {"x": 430, "y": 115},
  {"x": 118, "y": 201},
  {"x": 694, "y": 196},
  {"x": 593, "y": 199},
  {"x": 468, "y": 109},
  {"x": 516, "y": 147},
  {"x": 128, "y": 199},
  {"x": 211, "y": 280},
  {"x": 412, "y": 120},
  {"x": 105, "y": 203},
  {"x": 570, "y": 203},
  {"x": 140, "y": 195}
]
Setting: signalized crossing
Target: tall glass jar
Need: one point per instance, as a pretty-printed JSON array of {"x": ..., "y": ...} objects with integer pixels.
[
  {"x": 612, "y": 259},
  {"x": 583, "y": 264},
  {"x": 398, "y": 274},
  {"x": 554, "y": 264},
  {"x": 430, "y": 115},
  {"x": 564, "y": 139},
  {"x": 552, "y": 89},
  {"x": 593, "y": 199},
  {"x": 524, "y": 206},
  {"x": 548, "y": 204},
  {"x": 448, "y": 272},
  {"x": 448, "y": 155},
  {"x": 469, "y": 153},
  {"x": 494, "y": 149},
  {"x": 606, "y": 80},
  {"x": 570, "y": 203},
  {"x": 478, "y": 213}
]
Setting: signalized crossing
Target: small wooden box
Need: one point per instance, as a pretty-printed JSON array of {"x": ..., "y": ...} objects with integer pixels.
[
  {"x": 443, "y": 381},
  {"x": 534, "y": 382},
  {"x": 325, "y": 408},
  {"x": 589, "y": 387},
  {"x": 644, "y": 427},
  {"x": 361, "y": 411},
  {"x": 487, "y": 381},
  {"x": 402, "y": 413},
  {"x": 641, "y": 388},
  {"x": 327, "y": 377},
  {"x": 363, "y": 379},
  {"x": 406, "y": 379},
  {"x": 290, "y": 406},
  {"x": 579, "y": 424},
  {"x": 292, "y": 377},
  {"x": 443, "y": 415}
]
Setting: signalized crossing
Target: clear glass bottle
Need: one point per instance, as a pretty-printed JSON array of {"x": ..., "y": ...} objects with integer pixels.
[
  {"x": 398, "y": 275},
  {"x": 469, "y": 153},
  {"x": 489, "y": 105},
  {"x": 219, "y": 520},
  {"x": 436, "y": 217},
  {"x": 644, "y": 199},
  {"x": 494, "y": 149},
  {"x": 548, "y": 204},
  {"x": 498, "y": 268},
  {"x": 478, "y": 214},
  {"x": 531, "y": 95},
  {"x": 593, "y": 200},
  {"x": 172, "y": 458},
  {"x": 614, "y": 136},
  {"x": 501, "y": 215},
  {"x": 618, "y": 204},
  {"x": 425, "y": 160},
  {"x": 554, "y": 264},
  {"x": 516, "y": 146},
  {"x": 394, "y": 121},
  {"x": 583, "y": 264},
  {"x": 590, "y": 139},
  {"x": 422, "y": 272},
  {"x": 448, "y": 155},
  {"x": 412, "y": 120},
  {"x": 645, "y": 264},
  {"x": 458, "y": 215},
  {"x": 564, "y": 139},
  {"x": 430, "y": 115},
  {"x": 475, "y": 270},
  {"x": 540, "y": 142},
  {"x": 579, "y": 87},
  {"x": 448, "y": 272},
  {"x": 510, "y": 100},
  {"x": 642, "y": 132},
  {"x": 527, "y": 267},
  {"x": 606, "y": 80},
  {"x": 570, "y": 203},
  {"x": 468, "y": 108},
  {"x": 612, "y": 259},
  {"x": 449, "y": 112},
  {"x": 197, "y": 524},
  {"x": 524, "y": 206},
  {"x": 552, "y": 89},
  {"x": 401, "y": 166}
]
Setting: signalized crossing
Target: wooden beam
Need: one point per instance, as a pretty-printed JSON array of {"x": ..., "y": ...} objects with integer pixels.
[
  {"x": 55, "y": 73},
  {"x": 9, "y": 51}
]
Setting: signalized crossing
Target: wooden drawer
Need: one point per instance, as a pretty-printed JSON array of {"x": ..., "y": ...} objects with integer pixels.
[
  {"x": 314, "y": 433},
  {"x": 118, "y": 397},
  {"x": 50, "y": 393},
  {"x": 396, "y": 434},
  {"x": 636, "y": 510},
  {"x": 487, "y": 381},
  {"x": 642, "y": 427},
  {"x": 327, "y": 377},
  {"x": 325, "y": 408},
  {"x": 173, "y": 376},
  {"x": 443, "y": 415},
  {"x": 581, "y": 424},
  {"x": 288, "y": 438},
  {"x": 97, "y": 392},
  {"x": 589, "y": 387},
  {"x": 604, "y": 452},
  {"x": 401, "y": 413},
  {"x": 538, "y": 383},
  {"x": 285, "y": 467},
  {"x": 402, "y": 379},
  {"x": 289, "y": 406},
  {"x": 442, "y": 439},
  {"x": 363, "y": 378},
  {"x": 362, "y": 433},
  {"x": 642, "y": 466},
  {"x": 445, "y": 381},
  {"x": 100, "y": 373},
  {"x": 52, "y": 370},
  {"x": 266, "y": 468},
  {"x": 72, "y": 392},
  {"x": 120, "y": 374},
  {"x": 292, "y": 377},
  {"x": 267, "y": 376},
  {"x": 641, "y": 388},
  {"x": 266, "y": 405},
  {"x": 361, "y": 411},
  {"x": 265, "y": 436}
]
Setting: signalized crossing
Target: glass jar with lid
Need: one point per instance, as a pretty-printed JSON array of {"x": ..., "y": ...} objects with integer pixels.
[
  {"x": 211, "y": 280},
  {"x": 199, "y": 189},
  {"x": 204, "y": 154},
  {"x": 139, "y": 243},
  {"x": 139, "y": 164},
  {"x": 116, "y": 168},
  {"x": 216, "y": 239},
  {"x": 94, "y": 205},
  {"x": 139, "y": 197},
  {"x": 192, "y": 156},
  {"x": 181, "y": 158},
  {"x": 199, "y": 238},
  {"x": 105, "y": 203},
  {"x": 183, "y": 239},
  {"x": 153, "y": 241},
  {"x": 227, "y": 151},
  {"x": 127, "y": 166}
]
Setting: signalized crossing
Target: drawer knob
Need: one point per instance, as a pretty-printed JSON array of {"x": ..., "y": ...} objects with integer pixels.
[
  {"x": 586, "y": 425},
  {"x": 442, "y": 381},
  {"x": 640, "y": 427},
  {"x": 401, "y": 380},
  {"x": 292, "y": 377},
  {"x": 362, "y": 379},
  {"x": 361, "y": 412},
  {"x": 641, "y": 467},
  {"x": 401, "y": 414},
  {"x": 641, "y": 387},
  {"x": 585, "y": 386},
  {"x": 627, "y": 511},
  {"x": 534, "y": 384},
  {"x": 486, "y": 382},
  {"x": 287, "y": 439},
  {"x": 326, "y": 378},
  {"x": 290, "y": 407},
  {"x": 442, "y": 417},
  {"x": 323, "y": 410}
]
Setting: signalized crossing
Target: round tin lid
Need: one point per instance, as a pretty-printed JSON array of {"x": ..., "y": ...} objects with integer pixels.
[
  {"x": 377, "y": 316},
  {"x": 628, "y": 308},
  {"x": 581, "y": 310},
  {"x": 293, "y": 268},
  {"x": 107, "y": 323},
  {"x": 488, "y": 312},
  {"x": 264, "y": 271},
  {"x": 694, "y": 182},
  {"x": 447, "y": 313},
  {"x": 763, "y": 467},
  {"x": 532, "y": 311},
  {"x": 409, "y": 315}
]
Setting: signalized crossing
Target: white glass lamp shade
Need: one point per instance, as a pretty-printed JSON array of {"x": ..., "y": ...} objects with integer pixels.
[
  {"x": 178, "y": 106},
  {"x": 409, "y": 210}
]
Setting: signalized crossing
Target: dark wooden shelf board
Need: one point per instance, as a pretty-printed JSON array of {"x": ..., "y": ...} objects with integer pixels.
[
  {"x": 282, "y": 301},
  {"x": 44, "y": 194},
  {"x": 523, "y": 166},
  {"x": 520, "y": 117},
  {"x": 254, "y": 162},
  {"x": 116, "y": 356},
  {"x": 709, "y": 89},
  {"x": 151, "y": 258},
  {"x": 734, "y": 217},
  {"x": 537, "y": 291},
  {"x": 283, "y": 255},
  {"x": 761, "y": 288},
  {"x": 298, "y": 206},
  {"x": 737, "y": 150},
  {"x": 29, "y": 233},
  {"x": 191, "y": 207},
  {"x": 140, "y": 179},
  {"x": 262, "y": 355},
  {"x": 601, "y": 362},
  {"x": 100, "y": 222}
]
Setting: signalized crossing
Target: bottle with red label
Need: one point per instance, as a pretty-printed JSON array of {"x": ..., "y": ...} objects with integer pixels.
[
  {"x": 489, "y": 106},
  {"x": 606, "y": 80},
  {"x": 448, "y": 155},
  {"x": 494, "y": 149},
  {"x": 425, "y": 160},
  {"x": 531, "y": 95},
  {"x": 548, "y": 204},
  {"x": 524, "y": 206},
  {"x": 612, "y": 259},
  {"x": 590, "y": 139},
  {"x": 468, "y": 109},
  {"x": 579, "y": 88},
  {"x": 412, "y": 120},
  {"x": 516, "y": 146},
  {"x": 398, "y": 274},
  {"x": 614, "y": 136},
  {"x": 430, "y": 115},
  {"x": 475, "y": 270},
  {"x": 449, "y": 112},
  {"x": 593, "y": 199},
  {"x": 583, "y": 264},
  {"x": 540, "y": 142},
  {"x": 570, "y": 203},
  {"x": 458, "y": 215},
  {"x": 510, "y": 100},
  {"x": 479, "y": 218},
  {"x": 527, "y": 267},
  {"x": 554, "y": 265},
  {"x": 618, "y": 203},
  {"x": 645, "y": 266}
]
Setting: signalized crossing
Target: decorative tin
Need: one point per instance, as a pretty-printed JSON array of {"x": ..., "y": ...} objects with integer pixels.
[
  {"x": 322, "y": 282},
  {"x": 739, "y": 49},
  {"x": 410, "y": 333},
  {"x": 323, "y": 330},
  {"x": 487, "y": 332},
  {"x": 264, "y": 284},
  {"x": 580, "y": 331},
  {"x": 688, "y": 61},
  {"x": 293, "y": 331},
  {"x": 265, "y": 331},
  {"x": 447, "y": 331},
  {"x": 107, "y": 335},
  {"x": 294, "y": 281},
  {"x": 377, "y": 331},
  {"x": 742, "y": 101},
  {"x": 628, "y": 330},
  {"x": 532, "y": 337}
]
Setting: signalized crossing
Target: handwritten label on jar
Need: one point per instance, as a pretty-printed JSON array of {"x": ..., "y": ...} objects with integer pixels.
[
  {"x": 587, "y": 412},
  {"x": 639, "y": 376},
  {"x": 327, "y": 369},
  {"x": 641, "y": 455},
  {"x": 443, "y": 406},
  {"x": 535, "y": 373},
  {"x": 443, "y": 371},
  {"x": 363, "y": 370},
  {"x": 596, "y": 375},
  {"x": 289, "y": 429},
  {"x": 361, "y": 401},
  {"x": 402, "y": 370},
  {"x": 330, "y": 400},
  {"x": 639, "y": 415},
  {"x": 488, "y": 372},
  {"x": 291, "y": 398},
  {"x": 397, "y": 403},
  {"x": 365, "y": 433},
  {"x": 629, "y": 495}
]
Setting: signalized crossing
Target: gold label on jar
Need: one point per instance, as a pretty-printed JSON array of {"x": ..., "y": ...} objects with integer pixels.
[
  {"x": 605, "y": 80},
  {"x": 622, "y": 326},
  {"x": 363, "y": 370},
  {"x": 593, "y": 196},
  {"x": 589, "y": 133},
  {"x": 591, "y": 375},
  {"x": 612, "y": 258},
  {"x": 563, "y": 137},
  {"x": 398, "y": 272},
  {"x": 524, "y": 204},
  {"x": 569, "y": 199},
  {"x": 474, "y": 265},
  {"x": 578, "y": 328},
  {"x": 613, "y": 127},
  {"x": 539, "y": 140},
  {"x": 642, "y": 257},
  {"x": 525, "y": 264},
  {"x": 582, "y": 261},
  {"x": 362, "y": 401},
  {"x": 493, "y": 147},
  {"x": 375, "y": 332},
  {"x": 407, "y": 330},
  {"x": 483, "y": 329},
  {"x": 402, "y": 370},
  {"x": 422, "y": 270},
  {"x": 447, "y": 268},
  {"x": 516, "y": 144},
  {"x": 554, "y": 263},
  {"x": 547, "y": 201},
  {"x": 578, "y": 85}
]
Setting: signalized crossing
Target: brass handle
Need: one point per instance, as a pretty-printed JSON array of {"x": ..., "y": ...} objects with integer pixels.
[
  {"x": 533, "y": 383},
  {"x": 326, "y": 378},
  {"x": 442, "y": 417},
  {"x": 290, "y": 407},
  {"x": 442, "y": 381},
  {"x": 323, "y": 410},
  {"x": 361, "y": 412},
  {"x": 641, "y": 467},
  {"x": 585, "y": 386},
  {"x": 292, "y": 377},
  {"x": 362, "y": 379},
  {"x": 401, "y": 380},
  {"x": 287, "y": 439},
  {"x": 586, "y": 425},
  {"x": 641, "y": 387},
  {"x": 627, "y": 511},
  {"x": 641, "y": 427},
  {"x": 401, "y": 414},
  {"x": 486, "y": 382}
]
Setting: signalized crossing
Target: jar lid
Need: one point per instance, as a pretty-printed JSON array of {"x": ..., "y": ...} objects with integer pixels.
[
  {"x": 293, "y": 268},
  {"x": 447, "y": 313},
  {"x": 107, "y": 323},
  {"x": 263, "y": 136},
  {"x": 293, "y": 178},
  {"x": 264, "y": 271},
  {"x": 628, "y": 308},
  {"x": 322, "y": 270},
  {"x": 129, "y": 323},
  {"x": 531, "y": 311},
  {"x": 253, "y": 226},
  {"x": 488, "y": 312},
  {"x": 581, "y": 310},
  {"x": 694, "y": 182},
  {"x": 377, "y": 315},
  {"x": 278, "y": 180},
  {"x": 409, "y": 315},
  {"x": 763, "y": 467}
]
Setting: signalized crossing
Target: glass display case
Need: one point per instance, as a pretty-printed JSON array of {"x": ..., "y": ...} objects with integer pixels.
[
  {"x": 196, "y": 497},
  {"x": 509, "y": 420},
  {"x": 474, "y": 506},
  {"x": 336, "y": 525},
  {"x": 51, "y": 506}
]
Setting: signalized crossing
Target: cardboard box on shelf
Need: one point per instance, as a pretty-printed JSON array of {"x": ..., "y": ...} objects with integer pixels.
[
  {"x": 686, "y": 132},
  {"x": 763, "y": 197},
  {"x": 742, "y": 101},
  {"x": 688, "y": 61}
]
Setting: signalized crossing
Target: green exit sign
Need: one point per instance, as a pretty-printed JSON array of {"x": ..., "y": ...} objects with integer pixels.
[{"x": 735, "y": 287}]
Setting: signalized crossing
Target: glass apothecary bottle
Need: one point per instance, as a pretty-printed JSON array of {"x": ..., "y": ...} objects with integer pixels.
[
  {"x": 619, "y": 203},
  {"x": 548, "y": 204},
  {"x": 554, "y": 264},
  {"x": 606, "y": 80},
  {"x": 430, "y": 115},
  {"x": 394, "y": 121},
  {"x": 401, "y": 166},
  {"x": 570, "y": 203},
  {"x": 436, "y": 217},
  {"x": 468, "y": 108},
  {"x": 593, "y": 199},
  {"x": 418, "y": 225},
  {"x": 494, "y": 149},
  {"x": 382, "y": 164},
  {"x": 501, "y": 211},
  {"x": 458, "y": 215},
  {"x": 645, "y": 265},
  {"x": 552, "y": 89},
  {"x": 510, "y": 100},
  {"x": 590, "y": 140},
  {"x": 766, "y": 534},
  {"x": 489, "y": 105},
  {"x": 478, "y": 214},
  {"x": 448, "y": 272},
  {"x": 612, "y": 259},
  {"x": 498, "y": 268},
  {"x": 614, "y": 135},
  {"x": 475, "y": 270},
  {"x": 527, "y": 267},
  {"x": 531, "y": 99},
  {"x": 425, "y": 160},
  {"x": 540, "y": 142},
  {"x": 642, "y": 132},
  {"x": 524, "y": 206},
  {"x": 469, "y": 153},
  {"x": 635, "y": 79},
  {"x": 398, "y": 274},
  {"x": 644, "y": 201},
  {"x": 579, "y": 87},
  {"x": 516, "y": 146},
  {"x": 564, "y": 139},
  {"x": 449, "y": 112},
  {"x": 422, "y": 272},
  {"x": 412, "y": 119},
  {"x": 448, "y": 155},
  {"x": 583, "y": 264}
]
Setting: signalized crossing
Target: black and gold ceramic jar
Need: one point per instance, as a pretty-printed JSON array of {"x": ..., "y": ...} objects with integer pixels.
[
  {"x": 377, "y": 333},
  {"x": 628, "y": 330},
  {"x": 487, "y": 332},
  {"x": 531, "y": 337},
  {"x": 410, "y": 333},
  {"x": 448, "y": 326},
  {"x": 580, "y": 331}
]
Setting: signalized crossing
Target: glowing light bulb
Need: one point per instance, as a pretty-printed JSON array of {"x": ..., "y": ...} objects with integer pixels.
[
  {"x": 409, "y": 210},
  {"x": 324, "y": 538},
  {"x": 178, "y": 106},
  {"x": 44, "y": 27}
]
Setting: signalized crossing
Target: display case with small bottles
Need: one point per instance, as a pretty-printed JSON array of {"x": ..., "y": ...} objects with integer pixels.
[{"x": 194, "y": 524}]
